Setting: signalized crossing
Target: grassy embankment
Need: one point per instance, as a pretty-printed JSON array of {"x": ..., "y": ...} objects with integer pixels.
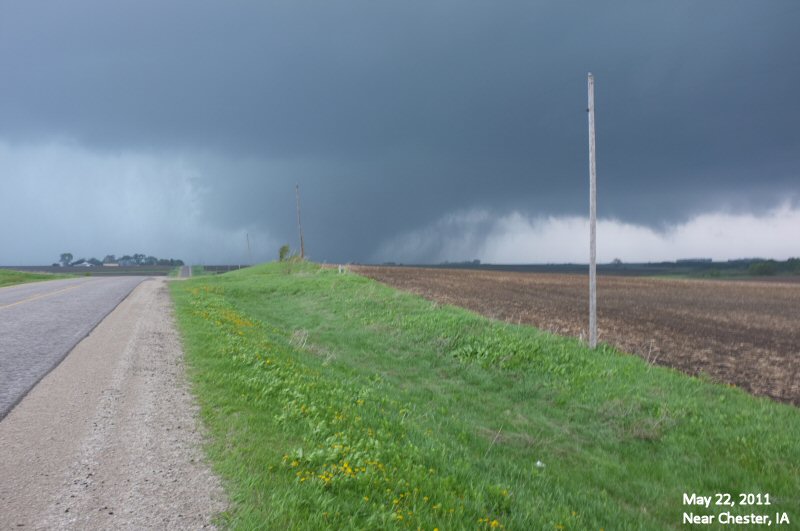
[
  {"x": 335, "y": 402},
  {"x": 197, "y": 271},
  {"x": 10, "y": 277}
]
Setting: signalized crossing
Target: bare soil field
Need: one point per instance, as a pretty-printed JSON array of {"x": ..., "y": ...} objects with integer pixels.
[{"x": 741, "y": 333}]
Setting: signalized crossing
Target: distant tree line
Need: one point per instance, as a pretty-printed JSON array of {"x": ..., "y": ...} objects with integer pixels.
[
  {"x": 66, "y": 260},
  {"x": 773, "y": 267}
]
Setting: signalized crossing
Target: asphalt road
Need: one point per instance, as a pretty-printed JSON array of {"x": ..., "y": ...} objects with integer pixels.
[
  {"x": 110, "y": 438},
  {"x": 42, "y": 321}
]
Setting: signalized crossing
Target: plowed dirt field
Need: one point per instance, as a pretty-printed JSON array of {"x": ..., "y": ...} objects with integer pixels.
[{"x": 738, "y": 332}]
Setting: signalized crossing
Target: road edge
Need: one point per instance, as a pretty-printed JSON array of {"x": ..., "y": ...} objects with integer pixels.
[{"x": 70, "y": 347}]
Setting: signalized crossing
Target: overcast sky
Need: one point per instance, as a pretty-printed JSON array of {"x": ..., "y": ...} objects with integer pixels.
[{"x": 419, "y": 131}]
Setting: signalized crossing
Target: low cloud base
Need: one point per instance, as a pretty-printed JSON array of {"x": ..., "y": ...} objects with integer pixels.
[{"x": 516, "y": 239}]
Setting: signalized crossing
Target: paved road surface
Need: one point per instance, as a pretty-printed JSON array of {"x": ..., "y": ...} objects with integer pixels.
[
  {"x": 42, "y": 321},
  {"x": 111, "y": 439}
]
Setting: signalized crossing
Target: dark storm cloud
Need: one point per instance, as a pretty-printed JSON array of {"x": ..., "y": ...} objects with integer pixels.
[{"x": 394, "y": 114}]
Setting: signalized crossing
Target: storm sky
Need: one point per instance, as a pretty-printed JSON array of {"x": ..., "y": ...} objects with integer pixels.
[{"x": 418, "y": 131}]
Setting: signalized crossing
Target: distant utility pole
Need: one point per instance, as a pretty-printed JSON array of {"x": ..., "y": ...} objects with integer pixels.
[
  {"x": 299, "y": 225},
  {"x": 592, "y": 223},
  {"x": 249, "y": 253}
]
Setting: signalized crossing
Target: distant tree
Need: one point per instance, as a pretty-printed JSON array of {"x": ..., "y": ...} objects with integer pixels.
[
  {"x": 95, "y": 262},
  {"x": 168, "y": 262},
  {"x": 139, "y": 258},
  {"x": 763, "y": 268},
  {"x": 66, "y": 259},
  {"x": 283, "y": 253},
  {"x": 109, "y": 259},
  {"x": 616, "y": 261}
]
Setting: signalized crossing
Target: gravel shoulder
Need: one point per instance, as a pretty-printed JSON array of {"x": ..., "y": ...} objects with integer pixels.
[
  {"x": 111, "y": 439},
  {"x": 41, "y": 322}
]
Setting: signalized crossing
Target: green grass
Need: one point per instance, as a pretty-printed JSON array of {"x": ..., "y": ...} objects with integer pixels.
[
  {"x": 10, "y": 277},
  {"x": 199, "y": 271},
  {"x": 335, "y": 402}
]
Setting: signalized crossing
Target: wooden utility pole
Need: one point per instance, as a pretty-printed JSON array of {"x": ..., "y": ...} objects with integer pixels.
[
  {"x": 299, "y": 225},
  {"x": 592, "y": 223},
  {"x": 249, "y": 253}
]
